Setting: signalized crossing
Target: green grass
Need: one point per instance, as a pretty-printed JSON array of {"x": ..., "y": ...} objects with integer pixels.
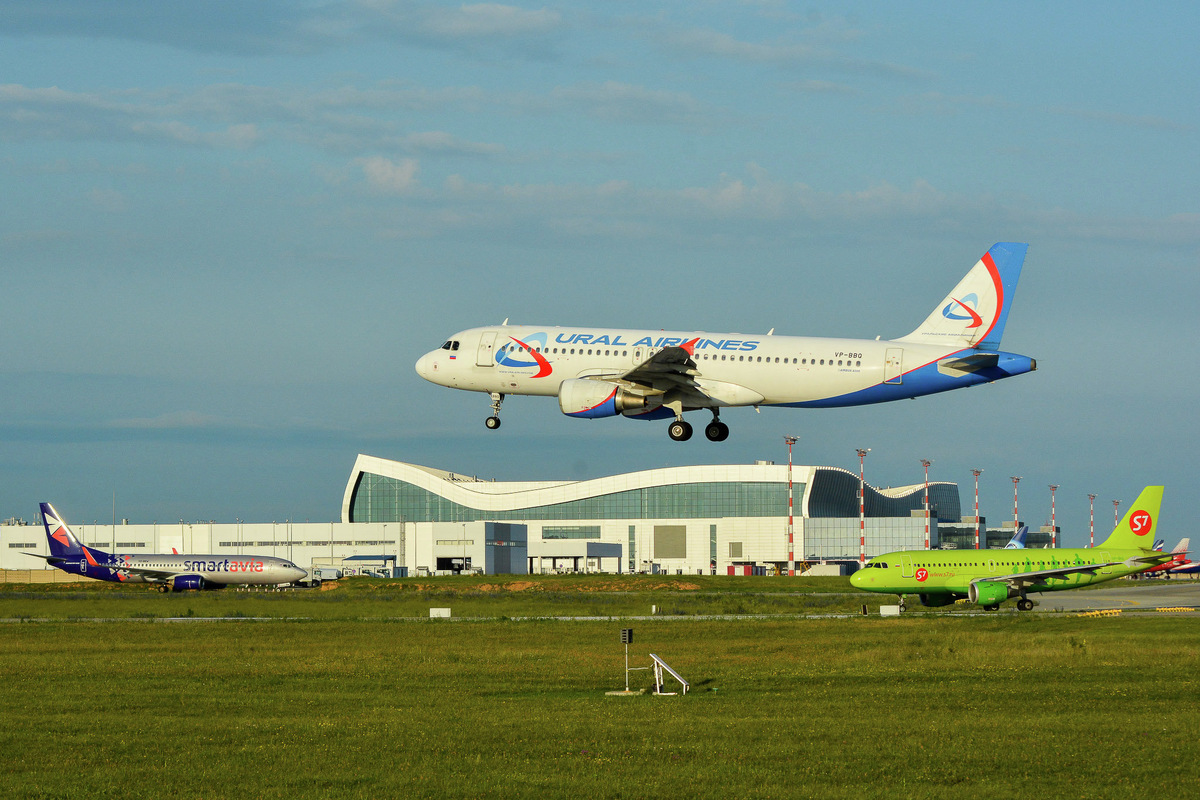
[
  {"x": 483, "y": 597},
  {"x": 939, "y": 707}
]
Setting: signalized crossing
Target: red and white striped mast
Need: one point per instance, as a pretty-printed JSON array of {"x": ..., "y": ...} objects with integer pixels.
[
  {"x": 1091, "y": 520},
  {"x": 1116, "y": 519},
  {"x": 976, "y": 473},
  {"x": 1016, "y": 517},
  {"x": 862, "y": 506},
  {"x": 925, "y": 463},
  {"x": 1053, "y": 526},
  {"x": 791, "y": 440}
]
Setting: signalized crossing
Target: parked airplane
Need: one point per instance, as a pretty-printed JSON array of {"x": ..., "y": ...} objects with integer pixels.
[
  {"x": 989, "y": 577},
  {"x": 171, "y": 572},
  {"x": 655, "y": 374},
  {"x": 1178, "y": 559}
]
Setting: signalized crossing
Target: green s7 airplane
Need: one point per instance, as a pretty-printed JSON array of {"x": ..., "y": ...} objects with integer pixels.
[{"x": 989, "y": 577}]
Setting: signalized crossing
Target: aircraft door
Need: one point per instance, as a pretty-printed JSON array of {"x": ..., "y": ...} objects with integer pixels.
[
  {"x": 1103, "y": 559},
  {"x": 906, "y": 566},
  {"x": 484, "y": 357},
  {"x": 893, "y": 365}
]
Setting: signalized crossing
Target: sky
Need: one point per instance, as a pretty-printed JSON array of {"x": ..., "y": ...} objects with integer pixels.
[{"x": 228, "y": 230}]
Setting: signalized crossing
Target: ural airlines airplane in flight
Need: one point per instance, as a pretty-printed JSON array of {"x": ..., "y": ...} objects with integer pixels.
[
  {"x": 651, "y": 374},
  {"x": 989, "y": 577},
  {"x": 172, "y": 572}
]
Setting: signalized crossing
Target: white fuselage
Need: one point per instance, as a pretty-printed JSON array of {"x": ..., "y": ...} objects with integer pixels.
[{"x": 733, "y": 369}]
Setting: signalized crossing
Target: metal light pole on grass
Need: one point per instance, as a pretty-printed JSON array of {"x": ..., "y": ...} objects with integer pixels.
[
  {"x": 862, "y": 507},
  {"x": 976, "y": 473},
  {"x": 925, "y": 463},
  {"x": 791, "y": 440},
  {"x": 1053, "y": 524}
]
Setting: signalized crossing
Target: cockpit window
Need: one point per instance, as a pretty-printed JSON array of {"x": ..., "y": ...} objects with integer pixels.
[
  {"x": 454, "y": 345},
  {"x": 446, "y": 346}
]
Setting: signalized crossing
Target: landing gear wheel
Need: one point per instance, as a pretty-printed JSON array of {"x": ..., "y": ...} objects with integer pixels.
[
  {"x": 1024, "y": 604},
  {"x": 164, "y": 588},
  {"x": 679, "y": 430},
  {"x": 716, "y": 431},
  {"x": 492, "y": 422}
]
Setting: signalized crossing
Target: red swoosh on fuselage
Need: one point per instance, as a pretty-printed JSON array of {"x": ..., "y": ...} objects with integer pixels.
[{"x": 544, "y": 367}]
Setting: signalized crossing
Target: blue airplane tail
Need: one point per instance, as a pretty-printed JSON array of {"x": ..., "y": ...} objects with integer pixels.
[
  {"x": 975, "y": 313},
  {"x": 65, "y": 546},
  {"x": 62, "y": 541},
  {"x": 1018, "y": 540}
]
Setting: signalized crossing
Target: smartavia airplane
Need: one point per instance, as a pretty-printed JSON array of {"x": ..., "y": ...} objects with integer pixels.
[
  {"x": 171, "y": 572},
  {"x": 989, "y": 577},
  {"x": 651, "y": 374}
]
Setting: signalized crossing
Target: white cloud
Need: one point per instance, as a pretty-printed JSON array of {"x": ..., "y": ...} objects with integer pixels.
[{"x": 390, "y": 177}]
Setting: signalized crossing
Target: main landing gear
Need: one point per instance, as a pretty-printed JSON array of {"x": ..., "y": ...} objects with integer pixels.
[
  {"x": 716, "y": 431},
  {"x": 493, "y": 421},
  {"x": 1024, "y": 604}
]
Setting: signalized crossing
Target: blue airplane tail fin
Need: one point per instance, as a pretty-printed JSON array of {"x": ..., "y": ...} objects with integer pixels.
[
  {"x": 64, "y": 545},
  {"x": 1018, "y": 540},
  {"x": 975, "y": 313},
  {"x": 58, "y": 534}
]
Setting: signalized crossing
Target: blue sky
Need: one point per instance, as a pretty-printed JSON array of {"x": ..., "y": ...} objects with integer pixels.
[{"x": 229, "y": 229}]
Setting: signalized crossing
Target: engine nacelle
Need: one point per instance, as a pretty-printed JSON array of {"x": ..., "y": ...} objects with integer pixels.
[
  {"x": 182, "y": 583},
  {"x": 987, "y": 593},
  {"x": 935, "y": 600},
  {"x": 581, "y": 397}
]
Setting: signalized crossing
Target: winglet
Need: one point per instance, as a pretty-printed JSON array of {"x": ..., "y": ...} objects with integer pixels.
[{"x": 689, "y": 347}]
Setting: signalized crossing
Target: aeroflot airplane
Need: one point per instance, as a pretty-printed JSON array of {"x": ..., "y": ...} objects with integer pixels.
[
  {"x": 172, "y": 572},
  {"x": 644, "y": 374}
]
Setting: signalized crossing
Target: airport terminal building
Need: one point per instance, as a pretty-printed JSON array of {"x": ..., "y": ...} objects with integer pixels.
[{"x": 405, "y": 519}]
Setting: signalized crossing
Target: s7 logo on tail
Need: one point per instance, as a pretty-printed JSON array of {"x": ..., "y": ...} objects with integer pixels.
[{"x": 1141, "y": 522}]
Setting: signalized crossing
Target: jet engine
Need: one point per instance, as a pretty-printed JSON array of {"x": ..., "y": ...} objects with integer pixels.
[
  {"x": 184, "y": 582},
  {"x": 987, "y": 593},
  {"x": 591, "y": 399}
]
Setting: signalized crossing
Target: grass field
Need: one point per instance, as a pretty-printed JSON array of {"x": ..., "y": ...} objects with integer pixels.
[{"x": 940, "y": 706}]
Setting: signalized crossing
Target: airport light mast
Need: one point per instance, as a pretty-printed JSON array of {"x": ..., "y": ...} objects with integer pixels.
[
  {"x": 1016, "y": 517},
  {"x": 1091, "y": 520},
  {"x": 862, "y": 507},
  {"x": 791, "y": 440},
  {"x": 976, "y": 473},
  {"x": 1116, "y": 519},
  {"x": 925, "y": 462},
  {"x": 1053, "y": 526}
]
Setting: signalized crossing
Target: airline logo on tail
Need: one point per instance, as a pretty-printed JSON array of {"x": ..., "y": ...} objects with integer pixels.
[
  {"x": 949, "y": 312},
  {"x": 1141, "y": 523}
]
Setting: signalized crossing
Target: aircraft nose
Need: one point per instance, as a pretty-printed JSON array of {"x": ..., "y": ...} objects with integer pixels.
[
  {"x": 427, "y": 366},
  {"x": 858, "y": 579}
]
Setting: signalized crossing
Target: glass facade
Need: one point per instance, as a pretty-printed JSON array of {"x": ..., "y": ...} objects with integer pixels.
[
  {"x": 571, "y": 532},
  {"x": 378, "y": 498},
  {"x": 838, "y": 538}
]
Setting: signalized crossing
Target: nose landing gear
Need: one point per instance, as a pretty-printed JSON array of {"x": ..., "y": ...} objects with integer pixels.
[{"x": 493, "y": 422}]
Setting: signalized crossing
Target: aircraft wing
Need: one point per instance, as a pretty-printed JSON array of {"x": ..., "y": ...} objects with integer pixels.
[
  {"x": 148, "y": 573},
  {"x": 1023, "y": 580},
  {"x": 671, "y": 368}
]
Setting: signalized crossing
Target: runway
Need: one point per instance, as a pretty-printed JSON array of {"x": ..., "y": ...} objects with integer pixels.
[{"x": 1127, "y": 596}]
